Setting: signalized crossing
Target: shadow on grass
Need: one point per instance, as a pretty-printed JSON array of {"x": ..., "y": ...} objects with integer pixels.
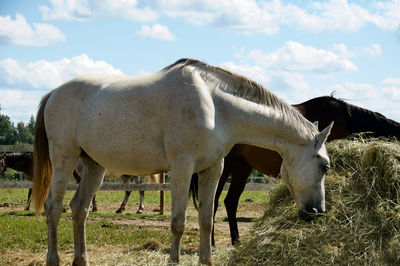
[
  {"x": 17, "y": 213},
  {"x": 242, "y": 219}
]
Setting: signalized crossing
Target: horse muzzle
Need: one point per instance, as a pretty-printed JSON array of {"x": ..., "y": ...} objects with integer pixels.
[{"x": 308, "y": 214}]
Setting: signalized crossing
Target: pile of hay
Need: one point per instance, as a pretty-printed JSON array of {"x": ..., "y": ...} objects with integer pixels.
[{"x": 362, "y": 223}]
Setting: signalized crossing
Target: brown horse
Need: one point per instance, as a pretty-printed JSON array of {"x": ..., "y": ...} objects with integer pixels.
[
  {"x": 243, "y": 158},
  {"x": 20, "y": 162}
]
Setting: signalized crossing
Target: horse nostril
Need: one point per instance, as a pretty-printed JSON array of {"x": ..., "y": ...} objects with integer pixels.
[{"x": 310, "y": 214}]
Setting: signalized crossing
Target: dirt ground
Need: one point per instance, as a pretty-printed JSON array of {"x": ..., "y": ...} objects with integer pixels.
[{"x": 246, "y": 212}]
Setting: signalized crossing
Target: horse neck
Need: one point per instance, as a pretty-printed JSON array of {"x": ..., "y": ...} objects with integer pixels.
[
  {"x": 362, "y": 120},
  {"x": 262, "y": 126},
  {"x": 21, "y": 163}
]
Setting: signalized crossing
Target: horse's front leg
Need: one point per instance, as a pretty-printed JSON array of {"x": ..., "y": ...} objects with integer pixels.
[
  {"x": 208, "y": 180},
  {"x": 80, "y": 204},
  {"x": 240, "y": 173},
  {"x": 180, "y": 172},
  {"x": 62, "y": 170}
]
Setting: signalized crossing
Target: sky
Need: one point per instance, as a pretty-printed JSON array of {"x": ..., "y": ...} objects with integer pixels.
[{"x": 297, "y": 49}]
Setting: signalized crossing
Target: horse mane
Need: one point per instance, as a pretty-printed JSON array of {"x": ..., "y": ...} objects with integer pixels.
[
  {"x": 363, "y": 120},
  {"x": 359, "y": 119},
  {"x": 249, "y": 90}
]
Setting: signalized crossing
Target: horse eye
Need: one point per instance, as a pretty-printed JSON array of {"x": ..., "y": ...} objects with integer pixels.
[{"x": 325, "y": 168}]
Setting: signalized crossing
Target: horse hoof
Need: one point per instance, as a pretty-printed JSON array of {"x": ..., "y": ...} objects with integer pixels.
[
  {"x": 139, "y": 211},
  {"x": 206, "y": 261},
  {"x": 119, "y": 211},
  {"x": 52, "y": 261},
  {"x": 82, "y": 261}
]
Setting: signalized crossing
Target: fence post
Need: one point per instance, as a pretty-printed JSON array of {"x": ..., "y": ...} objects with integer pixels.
[{"x": 162, "y": 195}]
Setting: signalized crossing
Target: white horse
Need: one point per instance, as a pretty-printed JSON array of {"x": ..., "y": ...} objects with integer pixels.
[
  {"x": 109, "y": 175},
  {"x": 193, "y": 114}
]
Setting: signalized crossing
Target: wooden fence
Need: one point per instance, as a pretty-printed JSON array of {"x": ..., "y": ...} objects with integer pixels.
[{"x": 112, "y": 186}]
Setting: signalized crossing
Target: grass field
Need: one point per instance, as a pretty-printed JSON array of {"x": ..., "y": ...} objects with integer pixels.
[
  {"x": 129, "y": 237},
  {"x": 361, "y": 225}
]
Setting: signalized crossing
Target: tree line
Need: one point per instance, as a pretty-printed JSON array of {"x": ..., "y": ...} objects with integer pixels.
[{"x": 22, "y": 133}]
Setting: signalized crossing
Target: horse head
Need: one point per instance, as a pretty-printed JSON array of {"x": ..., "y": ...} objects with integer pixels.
[
  {"x": 3, "y": 165},
  {"x": 304, "y": 175}
]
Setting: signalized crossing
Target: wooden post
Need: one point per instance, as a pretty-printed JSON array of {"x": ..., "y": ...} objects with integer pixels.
[{"x": 162, "y": 194}]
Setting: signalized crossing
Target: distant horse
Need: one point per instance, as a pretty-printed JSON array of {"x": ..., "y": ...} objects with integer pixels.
[
  {"x": 109, "y": 175},
  {"x": 22, "y": 162},
  {"x": 243, "y": 158},
  {"x": 183, "y": 119}
]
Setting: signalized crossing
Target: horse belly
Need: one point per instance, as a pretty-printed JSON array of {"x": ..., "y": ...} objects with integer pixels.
[
  {"x": 128, "y": 143},
  {"x": 128, "y": 158}
]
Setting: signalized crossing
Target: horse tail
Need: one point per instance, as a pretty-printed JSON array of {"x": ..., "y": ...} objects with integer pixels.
[
  {"x": 41, "y": 160},
  {"x": 194, "y": 189},
  {"x": 153, "y": 179}
]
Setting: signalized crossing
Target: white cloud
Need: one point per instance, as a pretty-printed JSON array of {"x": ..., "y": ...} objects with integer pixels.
[
  {"x": 343, "y": 51},
  {"x": 157, "y": 31},
  {"x": 284, "y": 70},
  {"x": 374, "y": 50},
  {"x": 292, "y": 87},
  {"x": 296, "y": 57},
  {"x": 244, "y": 16},
  {"x": 19, "y": 32},
  {"x": 392, "y": 82},
  {"x": 19, "y": 105},
  {"x": 92, "y": 9},
  {"x": 45, "y": 75},
  {"x": 381, "y": 99},
  {"x": 289, "y": 86},
  {"x": 391, "y": 87},
  {"x": 22, "y": 84}
]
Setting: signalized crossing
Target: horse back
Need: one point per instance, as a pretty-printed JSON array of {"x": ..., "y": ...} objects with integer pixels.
[{"x": 118, "y": 120}]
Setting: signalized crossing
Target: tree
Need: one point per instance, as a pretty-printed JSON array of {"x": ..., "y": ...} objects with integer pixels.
[
  {"x": 8, "y": 134},
  {"x": 24, "y": 135},
  {"x": 31, "y": 125}
]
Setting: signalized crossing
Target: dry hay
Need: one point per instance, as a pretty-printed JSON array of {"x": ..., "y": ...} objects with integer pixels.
[{"x": 362, "y": 223}]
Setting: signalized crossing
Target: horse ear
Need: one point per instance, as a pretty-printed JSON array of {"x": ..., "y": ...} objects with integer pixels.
[
  {"x": 323, "y": 136},
  {"x": 315, "y": 123}
]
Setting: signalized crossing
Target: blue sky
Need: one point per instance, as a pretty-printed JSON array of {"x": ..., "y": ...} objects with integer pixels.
[{"x": 297, "y": 49}]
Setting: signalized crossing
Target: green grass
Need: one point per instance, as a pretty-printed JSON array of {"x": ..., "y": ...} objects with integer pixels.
[
  {"x": 22, "y": 230},
  {"x": 19, "y": 196}
]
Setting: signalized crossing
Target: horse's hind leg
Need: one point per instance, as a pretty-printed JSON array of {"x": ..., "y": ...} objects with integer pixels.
[
  {"x": 80, "y": 204},
  {"x": 208, "y": 180},
  {"x": 94, "y": 204},
  {"x": 28, "y": 202},
  {"x": 141, "y": 203},
  {"x": 125, "y": 180},
  {"x": 63, "y": 164},
  {"x": 136, "y": 179}
]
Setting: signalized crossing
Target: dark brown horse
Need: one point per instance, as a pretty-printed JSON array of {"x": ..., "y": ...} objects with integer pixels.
[
  {"x": 243, "y": 158},
  {"x": 20, "y": 162}
]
